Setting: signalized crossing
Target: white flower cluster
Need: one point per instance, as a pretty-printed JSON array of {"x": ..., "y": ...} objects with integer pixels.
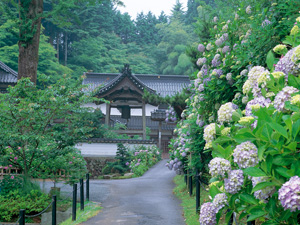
[
  {"x": 245, "y": 155},
  {"x": 219, "y": 167},
  {"x": 209, "y": 135},
  {"x": 225, "y": 112},
  {"x": 257, "y": 75}
]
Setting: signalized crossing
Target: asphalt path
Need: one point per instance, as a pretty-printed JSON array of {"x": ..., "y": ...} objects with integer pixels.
[{"x": 147, "y": 200}]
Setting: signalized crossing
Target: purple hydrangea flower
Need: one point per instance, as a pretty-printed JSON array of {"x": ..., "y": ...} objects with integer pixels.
[
  {"x": 266, "y": 22},
  {"x": 225, "y": 49},
  {"x": 219, "y": 166},
  {"x": 201, "y": 61},
  {"x": 216, "y": 60},
  {"x": 201, "y": 88},
  {"x": 218, "y": 72},
  {"x": 206, "y": 80},
  {"x": 220, "y": 201},
  {"x": 288, "y": 194},
  {"x": 265, "y": 193},
  {"x": 245, "y": 155},
  {"x": 234, "y": 182},
  {"x": 263, "y": 102},
  {"x": 207, "y": 214},
  {"x": 201, "y": 48},
  {"x": 283, "y": 96},
  {"x": 286, "y": 64}
]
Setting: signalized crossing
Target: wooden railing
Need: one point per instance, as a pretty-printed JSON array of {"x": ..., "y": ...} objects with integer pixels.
[
  {"x": 7, "y": 170},
  {"x": 12, "y": 171}
]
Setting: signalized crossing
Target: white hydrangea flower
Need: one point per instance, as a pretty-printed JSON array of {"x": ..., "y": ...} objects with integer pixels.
[
  {"x": 225, "y": 112},
  {"x": 209, "y": 135}
]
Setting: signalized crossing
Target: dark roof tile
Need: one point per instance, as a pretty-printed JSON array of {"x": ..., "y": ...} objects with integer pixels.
[{"x": 7, "y": 75}]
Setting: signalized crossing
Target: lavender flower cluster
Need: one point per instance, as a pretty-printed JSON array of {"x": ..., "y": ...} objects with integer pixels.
[
  {"x": 288, "y": 194},
  {"x": 245, "y": 155},
  {"x": 175, "y": 165},
  {"x": 220, "y": 201},
  {"x": 219, "y": 167},
  {"x": 207, "y": 214},
  {"x": 283, "y": 96},
  {"x": 264, "y": 193},
  {"x": 234, "y": 182},
  {"x": 216, "y": 60},
  {"x": 225, "y": 112},
  {"x": 261, "y": 101},
  {"x": 285, "y": 64},
  {"x": 170, "y": 115}
]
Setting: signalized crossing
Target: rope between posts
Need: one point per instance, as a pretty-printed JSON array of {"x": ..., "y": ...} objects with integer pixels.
[
  {"x": 18, "y": 221},
  {"x": 202, "y": 186},
  {"x": 31, "y": 216},
  {"x": 69, "y": 195}
]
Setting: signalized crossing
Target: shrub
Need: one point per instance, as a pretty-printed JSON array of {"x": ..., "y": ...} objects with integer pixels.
[{"x": 10, "y": 204}]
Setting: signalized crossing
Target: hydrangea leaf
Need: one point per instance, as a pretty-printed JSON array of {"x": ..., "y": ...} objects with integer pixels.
[
  {"x": 280, "y": 129},
  {"x": 262, "y": 185},
  {"x": 248, "y": 198},
  {"x": 270, "y": 60},
  {"x": 254, "y": 172},
  {"x": 283, "y": 172}
]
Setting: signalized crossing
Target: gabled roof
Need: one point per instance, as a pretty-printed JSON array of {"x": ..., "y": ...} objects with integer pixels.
[
  {"x": 7, "y": 75},
  {"x": 160, "y": 84}
]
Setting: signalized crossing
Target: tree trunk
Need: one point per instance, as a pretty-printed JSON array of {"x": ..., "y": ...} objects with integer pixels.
[
  {"x": 29, "y": 38},
  {"x": 57, "y": 45},
  {"x": 66, "y": 48}
]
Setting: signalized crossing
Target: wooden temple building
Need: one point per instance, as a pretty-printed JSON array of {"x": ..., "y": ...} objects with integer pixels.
[
  {"x": 7, "y": 77},
  {"x": 126, "y": 105}
]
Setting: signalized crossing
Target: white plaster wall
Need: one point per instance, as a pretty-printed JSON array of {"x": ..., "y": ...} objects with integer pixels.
[
  {"x": 102, "y": 149},
  {"x": 115, "y": 112}
]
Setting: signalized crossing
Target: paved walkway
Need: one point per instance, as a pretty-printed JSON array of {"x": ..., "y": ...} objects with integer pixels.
[{"x": 147, "y": 200}]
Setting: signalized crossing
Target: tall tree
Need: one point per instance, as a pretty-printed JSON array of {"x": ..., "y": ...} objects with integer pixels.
[{"x": 30, "y": 14}]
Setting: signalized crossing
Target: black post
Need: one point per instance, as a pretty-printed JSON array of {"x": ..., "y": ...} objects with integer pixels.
[
  {"x": 54, "y": 210},
  {"x": 251, "y": 222},
  {"x": 22, "y": 217},
  {"x": 185, "y": 176},
  {"x": 74, "y": 202},
  {"x": 230, "y": 222},
  {"x": 197, "y": 191},
  {"x": 190, "y": 183},
  {"x": 87, "y": 187},
  {"x": 81, "y": 195}
]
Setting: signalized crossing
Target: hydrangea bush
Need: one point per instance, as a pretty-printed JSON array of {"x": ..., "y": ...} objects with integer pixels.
[
  {"x": 257, "y": 166},
  {"x": 254, "y": 145}
]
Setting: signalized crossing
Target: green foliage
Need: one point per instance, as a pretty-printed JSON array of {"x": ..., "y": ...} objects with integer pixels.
[
  {"x": 10, "y": 204},
  {"x": 143, "y": 158},
  {"x": 10, "y": 183},
  {"x": 121, "y": 164},
  {"x": 39, "y": 127}
]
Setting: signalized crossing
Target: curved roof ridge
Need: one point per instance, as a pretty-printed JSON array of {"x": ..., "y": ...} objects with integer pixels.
[{"x": 8, "y": 69}]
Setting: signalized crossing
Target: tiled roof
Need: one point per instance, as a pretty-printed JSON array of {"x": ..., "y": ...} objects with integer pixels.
[
  {"x": 136, "y": 123},
  {"x": 7, "y": 75},
  {"x": 163, "y": 84}
]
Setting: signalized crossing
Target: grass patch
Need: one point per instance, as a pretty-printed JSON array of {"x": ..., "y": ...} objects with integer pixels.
[
  {"x": 188, "y": 202},
  {"x": 91, "y": 209}
]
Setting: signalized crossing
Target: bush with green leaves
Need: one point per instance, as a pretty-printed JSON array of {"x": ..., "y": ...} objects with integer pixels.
[
  {"x": 10, "y": 204},
  {"x": 40, "y": 127},
  {"x": 239, "y": 39},
  {"x": 143, "y": 158},
  {"x": 120, "y": 166},
  {"x": 255, "y": 169}
]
